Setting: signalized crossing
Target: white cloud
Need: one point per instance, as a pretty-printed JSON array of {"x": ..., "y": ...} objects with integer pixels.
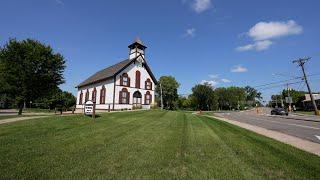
[
  {"x": 212, "y": 83},
  {"x": 226, "y": 80},
  {"x": 258, "y": 46},
  {"x": 190, "y": 32},
  {"x": 274, "y": 29},
  {"x": 214, "y": 76},
  {"x": 262, "y": 33},
  {"x": 239, "y": 69},
  {"x": 201, "y": 5},
  {"x": 60, "y": 2}
]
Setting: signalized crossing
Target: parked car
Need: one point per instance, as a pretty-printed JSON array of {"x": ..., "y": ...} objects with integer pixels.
[{"x": 279, "y": 111}]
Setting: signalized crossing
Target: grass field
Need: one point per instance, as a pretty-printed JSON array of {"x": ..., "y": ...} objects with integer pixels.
[
  {"x": 146, "y": 145},
  {"x": 305, "y": 112}
]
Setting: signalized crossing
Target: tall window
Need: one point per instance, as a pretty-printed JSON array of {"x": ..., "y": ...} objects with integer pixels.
[
  {"x": 80, "y": 98},
  {"x": 124, "y": 96},
  {"x": 125, "y": 80},
  {"x": 87, "y": 96},
  {"x": 138, "y": 76},
  {"x": 148, "y": 98},
  {"x": 148, "y": 84},
  {"x": 103, "y": 95},
  {"x": 94, "y": 95}
]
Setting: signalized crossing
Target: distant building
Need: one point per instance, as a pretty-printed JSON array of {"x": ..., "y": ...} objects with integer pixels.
[
  {"x": 126, "y": 85},
  {"x": 307, "y": 104}
]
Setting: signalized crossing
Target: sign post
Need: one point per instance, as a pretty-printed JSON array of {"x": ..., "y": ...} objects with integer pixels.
[{"x": 94, "y": 111}]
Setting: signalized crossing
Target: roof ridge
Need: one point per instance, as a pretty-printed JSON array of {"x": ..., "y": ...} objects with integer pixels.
[{"x": 105, "y": 73}]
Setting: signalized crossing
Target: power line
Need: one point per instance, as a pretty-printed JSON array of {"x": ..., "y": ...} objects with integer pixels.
[
  {"x": 277, "y": 82},
  {"x": 279, "y": 85}
]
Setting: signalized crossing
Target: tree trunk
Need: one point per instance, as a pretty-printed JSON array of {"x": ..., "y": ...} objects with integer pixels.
[{"x": 20, "y": 108}]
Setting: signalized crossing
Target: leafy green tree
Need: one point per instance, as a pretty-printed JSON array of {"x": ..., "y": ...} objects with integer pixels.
[
  {"x": 231, "y": 97},
  {"x": 29, "y": 70},
  {"x": 64, "y": 101},
  {"x": 297, "y": 96},
  {"x": 169, "y": 91},
  {"x": 204, "y": 97},
  {"x": 253, "y": 96},
  {"x": 237, "y": 97}
]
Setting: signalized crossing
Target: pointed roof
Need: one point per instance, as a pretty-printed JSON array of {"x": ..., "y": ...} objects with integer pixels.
[
  {"x": 138, "y": 42},
  {"x": 105, "y": 73},
  {"x": 112, "y": 71}
]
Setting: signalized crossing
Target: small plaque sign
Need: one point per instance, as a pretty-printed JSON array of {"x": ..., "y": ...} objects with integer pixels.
[{"x": 88, "y": 108}]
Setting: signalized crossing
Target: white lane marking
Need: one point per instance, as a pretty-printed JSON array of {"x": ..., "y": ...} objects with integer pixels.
[{"x": 317, "y": 137}]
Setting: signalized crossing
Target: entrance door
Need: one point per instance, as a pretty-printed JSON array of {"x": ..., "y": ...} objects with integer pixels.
[{"x": 137, "y": 99}]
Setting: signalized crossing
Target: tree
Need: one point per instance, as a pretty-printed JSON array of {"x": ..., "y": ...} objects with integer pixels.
[
  {"x": 252, "y": 94},
  {"x": 297, "y": 96},
  {"x": 57, "y": 99},
  {"x": 169, "y": 91},
  {"x": 64, "y": 101},
  {"x": 231, "y": 97},
  {"x": 204, "y": 97},
  {"x": 29, "y": 70}
]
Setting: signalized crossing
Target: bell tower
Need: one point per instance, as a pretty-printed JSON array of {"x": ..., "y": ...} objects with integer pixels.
[{"x": 136, "y": 48}]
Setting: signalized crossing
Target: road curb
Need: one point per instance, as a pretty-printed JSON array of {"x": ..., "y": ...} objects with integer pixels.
[{"x": 299, "y": 143}]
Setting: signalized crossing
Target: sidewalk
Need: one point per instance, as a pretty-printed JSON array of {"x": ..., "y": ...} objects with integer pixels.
[
  {"x": 299, "y": 143},
  {"x": 10, "y": 120}
]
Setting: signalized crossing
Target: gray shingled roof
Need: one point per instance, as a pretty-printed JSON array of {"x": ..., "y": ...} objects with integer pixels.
[{"x": 105, "y": 73}]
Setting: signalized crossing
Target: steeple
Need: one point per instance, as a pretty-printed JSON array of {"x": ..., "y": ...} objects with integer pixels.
[{"x": 137, "y": 48}]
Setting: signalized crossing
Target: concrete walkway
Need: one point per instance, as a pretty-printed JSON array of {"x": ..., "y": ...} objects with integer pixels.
[
  {"x": 299, "y": 143},
  {"x": 10, "y": 120}
]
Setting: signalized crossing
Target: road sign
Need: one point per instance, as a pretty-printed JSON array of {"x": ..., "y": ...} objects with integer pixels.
[{"x": 289, "y": 100}]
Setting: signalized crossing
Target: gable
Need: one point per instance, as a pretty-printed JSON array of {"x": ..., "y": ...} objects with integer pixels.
[{"x": 145, "y": 65}]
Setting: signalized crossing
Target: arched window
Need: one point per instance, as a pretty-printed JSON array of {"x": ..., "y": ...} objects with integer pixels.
[
  {"x": 147, "y": 98},
  {"x": 103, "y": 95},
  {"x": 148, "y": 84},
  {"x": 87, "y": 96},
  {"x": 94, "y": 95},
  {"x": 125, "y": 80},
  {"x": 80, "y": 98},
  {"x": 124, "y": 96},
  {"x": 138, "y": 76}
]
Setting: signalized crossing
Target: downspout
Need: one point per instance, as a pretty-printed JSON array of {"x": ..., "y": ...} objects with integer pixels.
[{"x": 114, "y": 91}]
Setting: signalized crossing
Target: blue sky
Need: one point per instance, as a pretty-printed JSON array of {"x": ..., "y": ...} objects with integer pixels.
[{"x": 224, "y": 42}]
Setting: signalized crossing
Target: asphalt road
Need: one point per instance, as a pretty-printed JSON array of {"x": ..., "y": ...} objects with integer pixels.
[{"x": 305, "y": 127}]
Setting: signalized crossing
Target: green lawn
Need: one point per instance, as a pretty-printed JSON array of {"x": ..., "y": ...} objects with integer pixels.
[
  {"x": 305, "y": 112},
  {"x": 146, "y": 145},
  {"x": 38, "y": 110}
]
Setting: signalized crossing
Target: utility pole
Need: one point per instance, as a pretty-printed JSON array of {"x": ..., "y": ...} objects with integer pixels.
[
  {"x": 161, "y": 98},
  {"x": 301, "y": 63}
]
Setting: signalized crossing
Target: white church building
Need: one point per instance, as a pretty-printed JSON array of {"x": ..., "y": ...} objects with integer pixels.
[{"x": 128, "y": 84}]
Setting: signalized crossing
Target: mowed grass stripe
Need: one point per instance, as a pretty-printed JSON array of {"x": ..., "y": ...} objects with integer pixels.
[
  {"x": 146, "y": 145},
  {"x": 274, "y": 159},
  {"x": 216, "y": 150}
]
